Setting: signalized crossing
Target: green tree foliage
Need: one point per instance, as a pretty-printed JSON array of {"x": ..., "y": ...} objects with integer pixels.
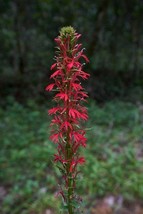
[{"x": 112, "y": 36}]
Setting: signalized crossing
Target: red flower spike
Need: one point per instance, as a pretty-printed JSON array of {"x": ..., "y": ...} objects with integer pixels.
[{"x": 65, "y": 125}]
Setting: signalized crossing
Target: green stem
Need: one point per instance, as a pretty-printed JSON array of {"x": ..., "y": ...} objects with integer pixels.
[
  {"x": 70, "y": 193},
  {"x": 70, "y": 180}
]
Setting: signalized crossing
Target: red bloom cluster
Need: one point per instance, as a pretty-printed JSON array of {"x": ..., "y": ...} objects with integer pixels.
[{"x": 66, "y": 131}]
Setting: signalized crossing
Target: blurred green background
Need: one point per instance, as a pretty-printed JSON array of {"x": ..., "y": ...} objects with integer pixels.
[{"x": 112, "y": 33}]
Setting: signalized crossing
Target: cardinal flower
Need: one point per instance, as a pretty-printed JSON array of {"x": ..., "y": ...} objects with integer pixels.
[{"x": 66, "y": 131}]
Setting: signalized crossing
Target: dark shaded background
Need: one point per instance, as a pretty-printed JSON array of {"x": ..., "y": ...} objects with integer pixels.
[{"x": 112, "y": 33}]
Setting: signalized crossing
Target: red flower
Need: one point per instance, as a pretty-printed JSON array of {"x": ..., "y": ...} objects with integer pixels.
[
  {"x": 53, "y": 110},
  {"x": 74, "y": 163},
  {"x": 69, "y": 64},
  {"x": 62, "y": 96},
  {"x": 74, "y": 113},
  {"x": 50, "y": 87},
  {"x": 78, "y": 138},
  {"x": 55, "y": 137},
  {"x": 76, "y": 86},
  {"x": 56, "y": 73},
  {"x": 66, "y": 125},
  {"x": 53, "y": 66}
]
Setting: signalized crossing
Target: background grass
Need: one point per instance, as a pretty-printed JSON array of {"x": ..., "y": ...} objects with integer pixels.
[{"x": 114, "y": 160}]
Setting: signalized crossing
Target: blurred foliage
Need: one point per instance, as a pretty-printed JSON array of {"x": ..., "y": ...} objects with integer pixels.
[
  {"x": 111, "y": 32},
  {"x": 114, "y": 156}
]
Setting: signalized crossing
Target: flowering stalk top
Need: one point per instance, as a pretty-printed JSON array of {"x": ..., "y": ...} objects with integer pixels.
[{"x": 66, "y": 131}]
